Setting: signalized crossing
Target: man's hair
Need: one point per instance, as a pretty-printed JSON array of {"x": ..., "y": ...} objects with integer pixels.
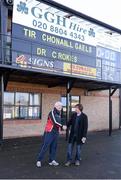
[
  {"x": 58, "y": 103},
  {"x": 79, "y": 106}
]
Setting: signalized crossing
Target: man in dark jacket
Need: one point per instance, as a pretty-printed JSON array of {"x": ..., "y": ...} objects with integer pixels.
[
  {"x": 51, "y": 135},
  {"x": 78, "y": 133}
]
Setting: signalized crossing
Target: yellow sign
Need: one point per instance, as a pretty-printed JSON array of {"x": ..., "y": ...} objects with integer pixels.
[{"x": 76, "y": 69}]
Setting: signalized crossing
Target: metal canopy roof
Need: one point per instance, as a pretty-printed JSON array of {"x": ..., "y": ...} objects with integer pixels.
[
  {"x": 79, "y": 14},
  {"x": 56, "y": 80}
]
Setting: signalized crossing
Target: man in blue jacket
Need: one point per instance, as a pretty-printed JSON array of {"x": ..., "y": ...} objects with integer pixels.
[
  {"x": 78, "y": 133},
  {"x": 51, "y": 135}
]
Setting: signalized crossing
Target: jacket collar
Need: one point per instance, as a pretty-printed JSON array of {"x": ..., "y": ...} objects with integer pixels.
[{"x": 56, "y": 111}]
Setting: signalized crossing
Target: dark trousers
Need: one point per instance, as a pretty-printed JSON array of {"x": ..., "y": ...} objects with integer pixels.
[
  {"x": 50, "y": 140},
  {"x": 70, "y": 150}
]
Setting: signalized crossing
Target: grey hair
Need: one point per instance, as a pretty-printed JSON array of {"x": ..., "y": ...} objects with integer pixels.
[{"x": 58, "y": 103}]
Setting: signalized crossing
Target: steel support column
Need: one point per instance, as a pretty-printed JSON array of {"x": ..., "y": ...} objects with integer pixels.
[
  {"x": 119, "y": 108},
  {"x": 1, "y": 107},
  {"x": 68, "y": 89},
  {"x": 110, "y": 113},
  {"x": 111, "y": 92},
  {"x": 67, "y": 106},
  {"x": 4, "y": 19}
]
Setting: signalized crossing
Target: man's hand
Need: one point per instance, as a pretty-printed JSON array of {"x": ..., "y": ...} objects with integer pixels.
[
  {"x": 83, "y": 139},
  {"x": 64, "y": 127}
]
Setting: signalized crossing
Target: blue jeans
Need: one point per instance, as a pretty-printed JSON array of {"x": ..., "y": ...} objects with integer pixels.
[
  {"x": 70, "y": 151},
  {"x": 50, "y": 140}
]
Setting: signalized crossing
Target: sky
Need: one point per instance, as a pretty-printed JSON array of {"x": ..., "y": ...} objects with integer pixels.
[{"x": 107, "y": 11}]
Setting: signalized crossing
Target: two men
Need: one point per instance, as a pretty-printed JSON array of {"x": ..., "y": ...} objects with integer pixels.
[{"x": 78, "y": 124}]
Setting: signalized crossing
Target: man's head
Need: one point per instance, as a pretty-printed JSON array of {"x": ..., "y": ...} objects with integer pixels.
[
  {"x": 58, "y": 106},
  {"x": 78, "y": 108}
]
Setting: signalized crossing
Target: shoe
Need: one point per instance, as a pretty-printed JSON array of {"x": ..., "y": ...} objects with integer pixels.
[
  {"x": 38, "y": 164},
  {"x": 68, "y": 163},
  {"x": 77, "y": 163},
  {"x": 53, "y": 163}
]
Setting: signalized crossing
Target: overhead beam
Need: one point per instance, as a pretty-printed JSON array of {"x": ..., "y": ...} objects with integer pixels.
[
  {"x": 98, "y": 89},
  {"x": 6, "y": 79},
  {"x": 56, "y": 84},
  {"x": 104, "y": 88}
]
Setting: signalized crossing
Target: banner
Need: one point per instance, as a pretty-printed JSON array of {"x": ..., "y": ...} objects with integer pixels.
[
  {"x": 47, "y": 39},
  {"x": 36, "y": 15}
]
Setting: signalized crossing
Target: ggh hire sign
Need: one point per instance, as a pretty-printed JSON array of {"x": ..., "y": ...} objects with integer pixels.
[
  {"x": 58, "y": 20},
  {"x": 34, "y": 16}
]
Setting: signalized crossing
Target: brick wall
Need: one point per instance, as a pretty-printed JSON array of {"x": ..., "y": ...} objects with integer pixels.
[
  {"x": 95, "y": 106},
  {"x": 48, "y": 101}
]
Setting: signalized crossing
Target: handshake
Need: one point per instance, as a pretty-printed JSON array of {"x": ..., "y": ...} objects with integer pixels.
[{"x": 64, "y": 127}]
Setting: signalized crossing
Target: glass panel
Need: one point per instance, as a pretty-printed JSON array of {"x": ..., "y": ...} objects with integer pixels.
[
  {"x": 64, "y": 109},
  {"x": 34, "y": 99},
  {"x": 34, "y": 112},
  {"x": 30, "y": 112},
  {"x": 22, "y": 99},
  {"x": 74, "y": 101},
  {"x": 8, "y": 98},
  {"x": 21, "y": 112},
  {"x": 8, "y": 112},
  {"x": 63, "y": 100}
]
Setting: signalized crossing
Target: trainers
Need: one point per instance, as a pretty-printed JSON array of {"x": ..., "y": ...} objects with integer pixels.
[
  {"x": 38, "y": 164},
  {"x": 53, "y": 163},
  {"x": 68, "y": 163},
  {"x": 77, "y": 163}
]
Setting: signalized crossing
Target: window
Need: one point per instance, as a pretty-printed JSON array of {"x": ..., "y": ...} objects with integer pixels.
[
  {"x": 18, "y": 105},
  {"x": 8, "y": 112},
  {"x": 9, "y": 105},
  {"x": 9, "y": 98},
  {"x": 34, "y": 99},
  {"x": 73, "y": 101},
  {"x": 22, "y": 99},
  {"x": 34, "y": 106}
]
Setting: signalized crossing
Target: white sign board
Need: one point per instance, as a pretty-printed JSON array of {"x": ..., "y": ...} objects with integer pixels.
[{"x": 33, "y": 15}]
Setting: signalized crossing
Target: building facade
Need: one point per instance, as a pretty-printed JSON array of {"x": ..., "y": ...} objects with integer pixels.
[{"x": 60, "y": 57}]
